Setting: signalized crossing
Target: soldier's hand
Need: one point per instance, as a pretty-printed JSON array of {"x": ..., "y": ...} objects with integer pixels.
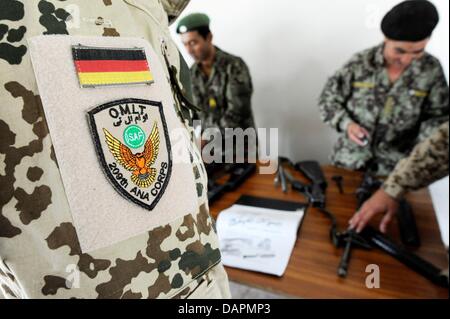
[
  {"x": 379, "y": 203},
  {"x": 357, "y": 133}
]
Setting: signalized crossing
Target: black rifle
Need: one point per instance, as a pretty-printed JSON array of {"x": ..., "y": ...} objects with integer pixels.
[
  {"x": 369, "y": 237},
  {"x": 313, "y": 172},
  {"x": 405, "y": 216},
  {"x": 238, "y": 173},
  {"x": 317, "y": 198},
  {"x": 411, "y": 260}
]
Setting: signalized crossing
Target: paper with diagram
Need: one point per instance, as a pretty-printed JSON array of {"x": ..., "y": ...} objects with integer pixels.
[{"x": 258, "y": 239}]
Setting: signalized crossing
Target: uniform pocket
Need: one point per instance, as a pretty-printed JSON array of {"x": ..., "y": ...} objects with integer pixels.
[
  {"x": 215, "y": 285},
  {"x": 361, "y": 100},
  {"x": 406, "y": 109},
  {"x": 207, "y": 289}
]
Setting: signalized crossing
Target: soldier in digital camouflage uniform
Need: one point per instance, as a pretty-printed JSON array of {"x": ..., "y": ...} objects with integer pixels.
[
  {"x": 388, "y": 98},
  {"x": 221, "y": 83},
  {"x": 38, "y": 240}
]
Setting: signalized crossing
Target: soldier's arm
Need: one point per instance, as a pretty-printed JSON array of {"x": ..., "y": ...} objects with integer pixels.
[
  {"x": 174, "y": 8},
  {"x": 427, "y": 163},
  {"x": 436, "y": 108},
  {"x": 238, "y": 94},
  {"x": 333, "y": 98}
]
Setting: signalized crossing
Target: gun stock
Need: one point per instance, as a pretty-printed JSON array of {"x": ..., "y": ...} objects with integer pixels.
[
  {"x": 313, "y": 171},
  {"x": 411, "y": 260}
]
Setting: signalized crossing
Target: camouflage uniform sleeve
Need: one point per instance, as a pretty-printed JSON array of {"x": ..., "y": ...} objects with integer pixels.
[
  {"x": 436, "y": 109},
  {"x": 333, "y": 98},
  {"x": 174, "y": 8},
  {"x": 427, "y": 163},
  {"x": 238, "y": 95}
]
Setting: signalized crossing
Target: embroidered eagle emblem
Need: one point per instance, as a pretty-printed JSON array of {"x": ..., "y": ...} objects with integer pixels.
[{"x": 143, "y": 175}]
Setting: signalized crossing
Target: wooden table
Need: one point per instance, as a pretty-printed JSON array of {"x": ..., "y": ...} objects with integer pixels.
[{"x": 312, "y": 269}]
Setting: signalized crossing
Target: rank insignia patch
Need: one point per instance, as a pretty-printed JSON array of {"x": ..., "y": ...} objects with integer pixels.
[
  {"x": 108, "y": 66},
  {"x": 132, "y": 143}
]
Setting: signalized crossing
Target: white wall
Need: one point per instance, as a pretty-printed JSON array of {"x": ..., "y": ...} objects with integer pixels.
[
  {"x": 439, "y": 193},
  {"x": 291, "y": 48}
]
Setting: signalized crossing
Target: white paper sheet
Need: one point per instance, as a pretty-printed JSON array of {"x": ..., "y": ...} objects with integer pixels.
[{"x": 257, "y": 239}]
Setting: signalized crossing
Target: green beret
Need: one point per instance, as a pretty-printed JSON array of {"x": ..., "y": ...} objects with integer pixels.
[
  {"x": 193, "y": 22},
  {"x": 411, "y": 20}
]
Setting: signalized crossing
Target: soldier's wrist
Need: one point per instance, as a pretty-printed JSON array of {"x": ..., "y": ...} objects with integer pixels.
[{"x": 393, "y": 189}]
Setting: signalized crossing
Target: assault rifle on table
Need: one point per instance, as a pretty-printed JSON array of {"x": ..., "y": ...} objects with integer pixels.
[
  {"x": 235, "y": 175},
  {"x": 369, "y": 238}
]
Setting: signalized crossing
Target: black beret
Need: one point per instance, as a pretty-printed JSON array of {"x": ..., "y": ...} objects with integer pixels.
[{"x": 412, "y": 21}]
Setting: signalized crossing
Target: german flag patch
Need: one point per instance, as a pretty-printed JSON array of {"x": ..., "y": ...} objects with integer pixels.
[{"x": 111, "y": 66}]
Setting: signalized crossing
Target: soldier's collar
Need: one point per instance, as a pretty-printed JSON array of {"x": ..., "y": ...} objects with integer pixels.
[
  {"x": 379, "y": 55},
  {"x": 380, "y": 62},
  {"x": 219, "y": 54}
]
